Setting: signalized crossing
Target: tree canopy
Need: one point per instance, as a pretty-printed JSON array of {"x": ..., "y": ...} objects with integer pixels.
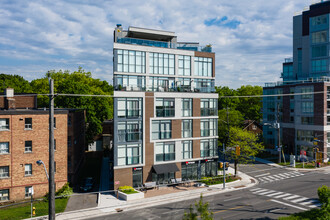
[{"x": 18, "y": 83}]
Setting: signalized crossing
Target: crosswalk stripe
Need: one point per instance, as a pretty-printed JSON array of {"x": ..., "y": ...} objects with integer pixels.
[
  {"x": 272, "y": 177},
  {"x": 254, "y": 189},
  {"x": 285, "y": 176},
  {"x": 274, "y": 194},
  {"x": 314, "y": 206},
  {"x": 268, "y": 179},
  {"x": 264, "y": 193},
  {"x": 299, "y": 200},
  {"x": 259, "y": 191},
  {"x": 291, "y": 197},
  {"x": 277, "y": 176},
  {"x": 283, "y": 195},
  {"x": 310, "y": 201}
]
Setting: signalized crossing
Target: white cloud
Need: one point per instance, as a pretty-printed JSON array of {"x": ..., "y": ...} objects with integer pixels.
[{"x": 39, "y": 35}]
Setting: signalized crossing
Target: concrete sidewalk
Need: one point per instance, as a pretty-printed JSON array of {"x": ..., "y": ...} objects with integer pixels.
[{"x": 110, "y": 204}]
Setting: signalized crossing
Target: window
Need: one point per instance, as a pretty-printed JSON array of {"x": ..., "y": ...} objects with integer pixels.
[
  {"x": 186, "y": 149},
  {"x": 287, "y": 71},
  {"x": 209, "y": 107},
  {"x": 129, "y": 61},
  {"x": 161, "y": 130},
  {"x": 54, "y": 166},
  {"x": 209, "y": 127},
  {"x": 319, "y": 37},
  {"x": 203, "y": 66},
  {"x": 28, "y": 147},
  {"x": 204, "y": 85},
  {"x": 184, "y": 84},
  {"x": 4, "y": 147},
  {"x": 4, "y": 124},
  {"x": 291, "y": 106},
  {"x": 291, "y": 119},
  {"x": 319, "y": 65},
  {"x": 4, "y": 194},
  {"x": 307, "y": 120},
  {"x": 307, "y": 90},
  {"x": 165, "y": 108},
  {"x": 129, "y": 83},
  {"x": 54, "y": 144},
  {"x": 129, "y": 131},
  {"x": 303, "y": 135},
  {"x": 69, "y": 120},
  {"x": 160, "y": 63},
  {"x": 186, "y": 107},
  {"x": 4, "y": 172},
  {"x": 129, "y": 107},
  {"x": 28, "y": 191},
  {"x": 209, "y": 148},
  {"x": 186, "y": 128},
  {"x": 319, "y": 51},
  {"x": 161, "y": 84},
  {"x": 28, "y": 123},
  {"x": 69, "y": 141},
  {"x": 319, "y": 20},
  {"x": 28, "y": 169},
  {"x": 307, "y": 107},
  {"x": 137, "y": 177},
  {"x": 54, "y": 122},
  {"x": 184, "y": 65},
  {"x": 129, "y": 154},
  {"x": 165, "y": 151}
]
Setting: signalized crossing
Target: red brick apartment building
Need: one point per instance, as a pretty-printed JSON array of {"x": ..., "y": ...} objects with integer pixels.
[{"x": 24, "y": 139}]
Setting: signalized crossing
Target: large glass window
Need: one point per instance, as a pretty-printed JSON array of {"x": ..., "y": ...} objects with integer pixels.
[
  {"x": 137, "y": 177},
  {"x": 184, "y": 65},
  {"x": 319, "y": 20},
  {"x": 161, "y": 84},
  {"x": 161, "y": 129},
  {"x": 209, "y": 107},
  {"x": 28, "y": 191},
  {"x": 319, "y": 65},
  {"x": 204, "y": 85},
  {"x": 130, "y": 83},
  {"x": 307, "y": 90},
  {"x": 319, "y": 37},
  {"x": 319, "y": 51},
  {"x": 4, "y": 172},
  {"x": 129, "y": 61},
  {"x": 165, "y": 107},
  {"x": 4, "y": 147},
  {"x": 4, "y": 194},
  {"x": 28, "y": 146},
  {"x": 307, "y": 120},
  {"x": 189, "y": 171},
  {"x": 129, "y": 131},
  {"x": 129, "y": 154},
  {"x": 203, "y": 66},
  {"x": 287, "y": 71},
  {"x": 4, "y": 124},
  {"x": 129, "y": 107},
  {"x": 209, "y": 127},
  {"x": 186, "y": 128},
  {"x": 187, "y": 149},
  {"x": 209, "y": 148},
  {"x": 184, "y": 84},
  {"x": 165, "y": 151},
  {"x": 186, "y": 107},
  {"x": 303, "y": 135},
  {"x": 307, "y": 107},
  {"x": 160, "y": 63}
]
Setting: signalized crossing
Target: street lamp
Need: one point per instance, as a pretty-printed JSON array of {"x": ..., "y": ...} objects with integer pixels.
[{"x": 39, "y": 162}]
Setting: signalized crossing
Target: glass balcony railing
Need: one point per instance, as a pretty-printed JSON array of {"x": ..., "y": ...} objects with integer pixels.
[
  {"x": 130, "y": 88},
  {"x": 165, "y": 112},
  {"x": 130, "y": 137},
  {"x": 205, "y": 133},
  {"x": 208, "y": 112},
  {"x": 153, "y": 43},
  {"x": 132, "y": 113}
]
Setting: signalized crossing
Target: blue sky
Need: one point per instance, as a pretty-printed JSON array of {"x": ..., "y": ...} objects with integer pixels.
[{"x": 250, "y": 38}]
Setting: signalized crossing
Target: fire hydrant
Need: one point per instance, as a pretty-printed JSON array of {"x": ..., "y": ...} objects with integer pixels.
[{"x": 34, "y": 211}]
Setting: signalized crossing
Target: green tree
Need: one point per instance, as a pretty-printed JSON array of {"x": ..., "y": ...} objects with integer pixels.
[
  {"x": 248, "y": 144},
  {"x": 324, "y": 196},
  {"x": 202, "y": 211},
  {"x": 235, "y": 118},
  {"x": 250, "y": 107},
  {"x": 18, "y": 83},
  {"x": 224, "y": 100},
  {"x": 97, "y": 109}
]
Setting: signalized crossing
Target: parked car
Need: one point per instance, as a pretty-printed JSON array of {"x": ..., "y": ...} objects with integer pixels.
[{"x": 87, "y": 184}]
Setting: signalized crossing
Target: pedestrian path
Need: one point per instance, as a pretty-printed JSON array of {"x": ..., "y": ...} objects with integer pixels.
[
  {"x": 288, "y": 197},
  {"x": 266, "y": 178}
]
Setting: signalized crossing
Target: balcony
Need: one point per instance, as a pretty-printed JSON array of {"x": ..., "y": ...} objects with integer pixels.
[
  {"x": 153, "y": 43},
  {"x": 165, "y": 157},
  {"x": 130, "y": 88},
  {"x": 208, "y": 112},
  {"x": 164, "y": 112}
]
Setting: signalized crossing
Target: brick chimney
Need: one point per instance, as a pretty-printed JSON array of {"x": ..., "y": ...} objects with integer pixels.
[{"x": 10, "y": 102}]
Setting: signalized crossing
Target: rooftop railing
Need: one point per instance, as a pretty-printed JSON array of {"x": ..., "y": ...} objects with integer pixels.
[
  {"x": 310, "y": 80},
  {"x": 153, "y": 43}
]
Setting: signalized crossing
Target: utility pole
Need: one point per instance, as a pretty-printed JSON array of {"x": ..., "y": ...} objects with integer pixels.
[
  {"x": 51, "y": 204},
  {"x": 278, "y": 133},
  {"x": 224, "y": 152}
]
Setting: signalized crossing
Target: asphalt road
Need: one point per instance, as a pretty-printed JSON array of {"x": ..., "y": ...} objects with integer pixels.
[{"x": 280, "y": 192}]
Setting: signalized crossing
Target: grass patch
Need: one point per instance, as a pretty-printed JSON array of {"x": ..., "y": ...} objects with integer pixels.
[
  {"x": 217, "y": 180},
  {"x": 23, "y": 211}
]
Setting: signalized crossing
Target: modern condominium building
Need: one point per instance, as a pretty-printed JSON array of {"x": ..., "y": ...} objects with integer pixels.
[
  {"x": 165, "y": 108},
  {"x": 304, "y": 112}
]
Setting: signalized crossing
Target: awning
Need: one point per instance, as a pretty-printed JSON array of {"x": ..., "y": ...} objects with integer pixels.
[{"x": 165, "y": 168}]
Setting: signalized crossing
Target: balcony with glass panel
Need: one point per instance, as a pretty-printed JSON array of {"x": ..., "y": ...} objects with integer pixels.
[
  {"x": 163, "y": 44},
  {"x": 208, "y": 112},
  {"x": 163, "y": 111}
]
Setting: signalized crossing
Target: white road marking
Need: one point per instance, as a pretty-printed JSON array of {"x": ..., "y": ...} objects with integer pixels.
[
  {"x": 283, "y": 203},
  {"x": 279, "y": 177},
  {"x": 283, "y": 195},
  {"x": 310, "y": 201},
  {"x": 261, "y": 190},
  {"x": 299, "y": 200},
  {"x": 254, "y": 189},
  {"x": 265, "y": 174},
  {"x": 291, "y": 197},
  {"x": 264, "y": 193},
  {"x": 274, "y": 194}
]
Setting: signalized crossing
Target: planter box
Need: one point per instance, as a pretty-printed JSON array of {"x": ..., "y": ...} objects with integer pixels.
[{"x": 130, "y": 197}]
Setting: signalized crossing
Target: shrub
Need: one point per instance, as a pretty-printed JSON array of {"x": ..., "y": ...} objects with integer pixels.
[{"x": 126, "y": 189}]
